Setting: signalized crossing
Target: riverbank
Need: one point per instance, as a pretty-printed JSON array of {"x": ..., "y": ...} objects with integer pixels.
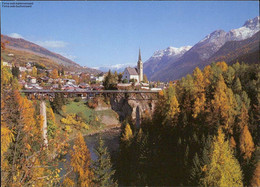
[{"x": 98, "y": 131}]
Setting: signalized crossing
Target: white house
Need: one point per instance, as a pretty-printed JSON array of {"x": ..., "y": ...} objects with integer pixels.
[
  {"x": 32, "y": 80},
  {"x": 22, "y": 69},
  {"x": 7, "y": 64},
  {"x": 130, "y": 73},
  {"x": 134, "y": 73}
]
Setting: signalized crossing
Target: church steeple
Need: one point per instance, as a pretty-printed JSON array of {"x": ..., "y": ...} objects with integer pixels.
[
  {"x": 140, "y": 66},
  {"x": 139, "y": 59}
]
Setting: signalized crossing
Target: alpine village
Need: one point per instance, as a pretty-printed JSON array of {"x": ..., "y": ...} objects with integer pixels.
[{"x": 186, "y": 116}]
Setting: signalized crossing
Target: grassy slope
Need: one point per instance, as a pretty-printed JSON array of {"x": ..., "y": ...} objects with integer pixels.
[{"x": 92, "y": 117}]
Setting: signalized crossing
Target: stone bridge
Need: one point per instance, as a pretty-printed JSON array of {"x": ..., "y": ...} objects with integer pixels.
[
  {"x": 127, "y": 94},
  {"x": 50, "y": 94}
]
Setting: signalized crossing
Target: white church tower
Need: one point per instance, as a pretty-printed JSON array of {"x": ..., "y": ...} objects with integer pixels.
[{"x": 140, "y": 67}]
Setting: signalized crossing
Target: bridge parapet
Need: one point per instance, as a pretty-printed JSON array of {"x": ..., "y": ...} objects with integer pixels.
[{"x": 128, "y": 94}]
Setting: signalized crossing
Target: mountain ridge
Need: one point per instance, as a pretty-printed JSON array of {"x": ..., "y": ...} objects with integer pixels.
[
  {"x": 200, "y": 54},
  {"x": 21, "y": 44}
]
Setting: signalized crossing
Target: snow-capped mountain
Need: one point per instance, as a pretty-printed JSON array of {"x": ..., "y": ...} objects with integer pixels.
[
  {"x": 200, "y": 54},
  {"x": 117, "y": 67},
  {"x": 161, "y": 58},
  {"x": 171, "y": 51},
  {"x": 250, "y": 27},
  {"x": 218, "y": 38}
]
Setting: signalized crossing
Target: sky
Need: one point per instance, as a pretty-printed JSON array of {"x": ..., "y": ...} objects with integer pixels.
[{"x": 103, "y": 33}]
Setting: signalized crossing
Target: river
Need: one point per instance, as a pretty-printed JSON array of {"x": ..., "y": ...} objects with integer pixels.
[{"x": 110, "y": 137}]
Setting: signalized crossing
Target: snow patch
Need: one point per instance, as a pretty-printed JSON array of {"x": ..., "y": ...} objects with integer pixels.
[{"x": 171, "y": 51}]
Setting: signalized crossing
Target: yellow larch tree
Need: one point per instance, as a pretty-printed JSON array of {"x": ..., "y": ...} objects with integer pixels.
[
  {"x": 80, "y": 161},
  {"x": 224, "y": 105},
  {"x": 34, "y": 71},
  {"x": 223, "y": 169},
  {"x": 223, "y": 66},
  {"x": 199, "y": 95},
  {"x": 54, "y": 74},
  {"x": 127, "y": 134},
  {"x": 207, "y": 72},
  {"x": 173, "y": 108},
  {"x": 246, "y": 141}
]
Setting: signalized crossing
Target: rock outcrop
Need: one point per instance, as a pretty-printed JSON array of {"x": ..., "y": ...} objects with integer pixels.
[{"x": 133, "y": 108}]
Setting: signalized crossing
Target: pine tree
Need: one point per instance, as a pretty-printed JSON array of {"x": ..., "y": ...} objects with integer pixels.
[
  {"x": 102, "y": 167},
  {"x": 110, "y": 82},
  {"x": 15, "y": 71},
  {"x": 237, "y": 87},
  {"x": 223, "y": 169},
  {"x": 200, "y": 162},
  {"x": 58, "y": 101}
]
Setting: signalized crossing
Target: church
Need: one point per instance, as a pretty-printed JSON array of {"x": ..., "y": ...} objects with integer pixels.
[{"x": 134, "y": 73}]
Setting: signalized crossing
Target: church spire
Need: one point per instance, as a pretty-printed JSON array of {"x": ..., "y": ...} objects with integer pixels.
[{"x": 139, "y": 59}]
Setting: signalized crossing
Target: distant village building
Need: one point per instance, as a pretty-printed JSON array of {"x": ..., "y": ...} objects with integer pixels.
[
  {"x": 134, "y": 73},
  {"x": 32, "y": 80},
  {"x": 22, "y": 69},
  {"x": 100, "y": 77},
  {"x": 7, "y": 64},
  {"x": 69, "y": 81},
  {"x": 29, "y": 64}
]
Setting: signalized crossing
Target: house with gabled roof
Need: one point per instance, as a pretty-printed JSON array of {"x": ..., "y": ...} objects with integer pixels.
[{"x": 130, "y": 73}]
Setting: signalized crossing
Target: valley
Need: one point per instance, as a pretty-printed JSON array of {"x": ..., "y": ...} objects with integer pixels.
[{"x": 79, "y": 107}]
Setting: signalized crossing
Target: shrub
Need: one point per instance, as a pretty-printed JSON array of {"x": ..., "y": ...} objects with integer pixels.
[
  {"x": 71, "y": 120},
  {"x": 125, "y": 81},
  {"x": 92, "y": 103},
  {"x": 77, "y": 99}
]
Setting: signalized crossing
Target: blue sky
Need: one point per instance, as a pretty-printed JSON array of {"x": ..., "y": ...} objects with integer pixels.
[{"x": 107, "y": 33}]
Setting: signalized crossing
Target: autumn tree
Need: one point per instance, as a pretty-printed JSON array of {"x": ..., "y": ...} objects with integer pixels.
[
  {"x": 174, "y": 109},
  {"x": 223, "y": 106},
  {"x": 51, "y": 123},
  {"x": 255, "y": 182},
  {"x": 54, "y": 74},
  {"x": 6, "y": 75},
  {"x": 223, "y": 169},
  {"x": 223, "y": 66},
  {"x": 76, "y": 78},
  {"x": 26, "y": 153},
  {"x": 123, "y": 166},
  {"x": 127, "y": 134},
  {"x": 145, "y": 79},
  {"x": 102, "y": 167},
  {"x": 34, "y": 71},
  {"x": 80, "y": 161},
  {"x": 199, "y": 96},
  {"x": 120, "y": 77},
  {"x": 237, "y": 87}
]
